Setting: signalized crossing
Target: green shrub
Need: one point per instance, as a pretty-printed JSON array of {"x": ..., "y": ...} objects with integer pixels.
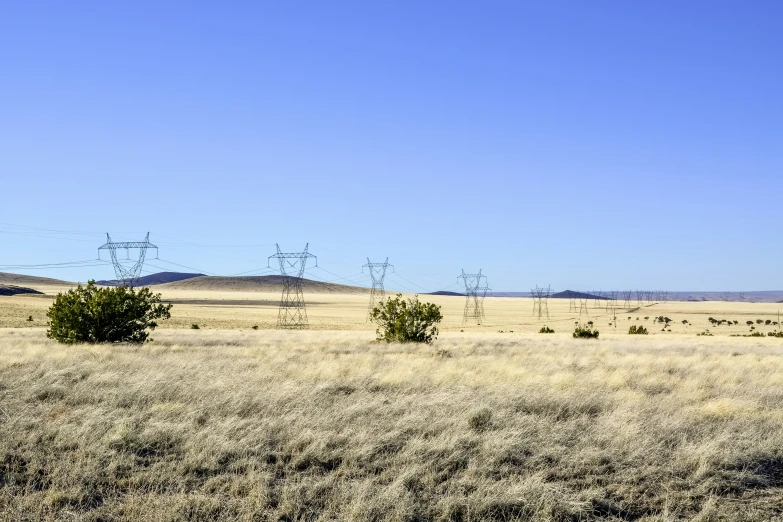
[
  {"x": 638, "y": 330},
  {"x": 408, "y": 321},
  {"x": 255, "y": 327},
  {"x": 546, "y": 329},
  {"x": 30, "y": 319},
  {"x": 585, "y": 332},
  {"x": 748, "y": 323},
  {"x": 194, "y": 326},
  {"x": 105, "y": 315}
]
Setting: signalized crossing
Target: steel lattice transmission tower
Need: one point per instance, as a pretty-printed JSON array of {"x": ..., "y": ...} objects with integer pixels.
[
  {"x": 377, "y": 273},
  {"x": 627, "y": 296},
  {"x": 541, "y": 301},
  {"x": 583, "y": 306},
  {"x": 482, "y": 292},
  {"x": 127, "y": 275},
  {"x": 472, "y": 302},
  {"x": 611, "y": 300},
  {"x": 292, "y": 314}
]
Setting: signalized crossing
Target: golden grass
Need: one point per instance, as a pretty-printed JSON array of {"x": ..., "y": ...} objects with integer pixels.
[
  {"x": 327, "y": 311},
  {"x": 327, "y": 425}
]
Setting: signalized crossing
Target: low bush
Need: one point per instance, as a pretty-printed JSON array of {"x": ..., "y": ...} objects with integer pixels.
[
  {"x": 408, "y": 321},
  {"x": 480, "y": 420},
  {"x": 194, "y": 326},
  {"x": 637, "y": 330},
  {"x": 546, "y": 329},
  {"x": 105, "y": 315},
  {"x": 585, "y": 332}
]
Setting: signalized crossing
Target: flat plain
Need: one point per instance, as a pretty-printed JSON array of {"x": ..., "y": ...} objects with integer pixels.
[{"x": 491, "y": 422}]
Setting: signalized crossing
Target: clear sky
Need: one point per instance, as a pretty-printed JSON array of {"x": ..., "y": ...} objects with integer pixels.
[{"x": 585, "y": 145}]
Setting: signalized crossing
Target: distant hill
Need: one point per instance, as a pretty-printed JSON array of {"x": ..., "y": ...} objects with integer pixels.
[
  {"x": 161, "y": 278},
  {"x": 28, "y": 280},
  {"x": 568, "y": 294},
  {"x": 272, "y": 283},
  {"x": 446, "y": 292}
]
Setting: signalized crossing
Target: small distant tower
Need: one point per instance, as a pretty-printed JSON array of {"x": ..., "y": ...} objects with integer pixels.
[{"x": 377, "y": 273}]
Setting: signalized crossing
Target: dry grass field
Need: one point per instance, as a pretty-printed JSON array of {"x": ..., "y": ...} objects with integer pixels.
[
  {"x": 242, "y": 305},
  {"x": 267, "y": 425},
  {"x": 492, "y": 422}
]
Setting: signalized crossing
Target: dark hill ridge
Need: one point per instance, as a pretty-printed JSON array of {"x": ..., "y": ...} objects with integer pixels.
[
  {"x": 161, "y": 278},
  {"x": 570, "y": 294},
  {"x": 270, "y": 283},
  {"x": 7, "y": 278}
]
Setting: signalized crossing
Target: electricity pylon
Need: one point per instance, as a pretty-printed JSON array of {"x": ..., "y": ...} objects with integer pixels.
[
  {"x": 583, "y": 306},
  {"x": 541, "y": 301},
  {"x": 611, "y": 300},
  {"x": 627, "y": 296},
  {"x": 472, "y": 303},
  {"x": 377, "y": 273},
  {"x": 482, "y": 292},
  {"x": 292, "y": 314},
  {"x": 127, "y": 275}
]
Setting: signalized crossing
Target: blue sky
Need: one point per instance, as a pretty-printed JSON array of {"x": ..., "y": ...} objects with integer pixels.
[{"x": 584, "y": 145}]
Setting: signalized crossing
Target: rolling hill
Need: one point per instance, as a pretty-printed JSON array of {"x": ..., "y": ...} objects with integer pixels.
[
  {"x": 272, "y": 283},
  {"x": 160, "y": 278},
  {"x": 28, "y": 280}
]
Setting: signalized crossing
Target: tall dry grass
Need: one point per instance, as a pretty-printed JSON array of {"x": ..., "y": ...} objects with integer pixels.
[{"x": 294, "y": 426}]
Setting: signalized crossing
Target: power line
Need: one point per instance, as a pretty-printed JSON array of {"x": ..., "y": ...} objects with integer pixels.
[
  {"x": 185, "y": 266},
  {"x": 339, "y": 276},
  {"x": 408, "y": 280},
  {"x": 252, "y": 271},
  {"x": 412, "y": 290},
  {"x": 52, "y": 265},
  {"x": 50, "y": 268}
]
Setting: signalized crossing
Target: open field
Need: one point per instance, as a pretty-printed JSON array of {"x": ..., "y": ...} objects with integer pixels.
[
  {"x": 227, "y": 308},
  {"x": 265, "y": 425},
  {"x": 492, "y": 422}
]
